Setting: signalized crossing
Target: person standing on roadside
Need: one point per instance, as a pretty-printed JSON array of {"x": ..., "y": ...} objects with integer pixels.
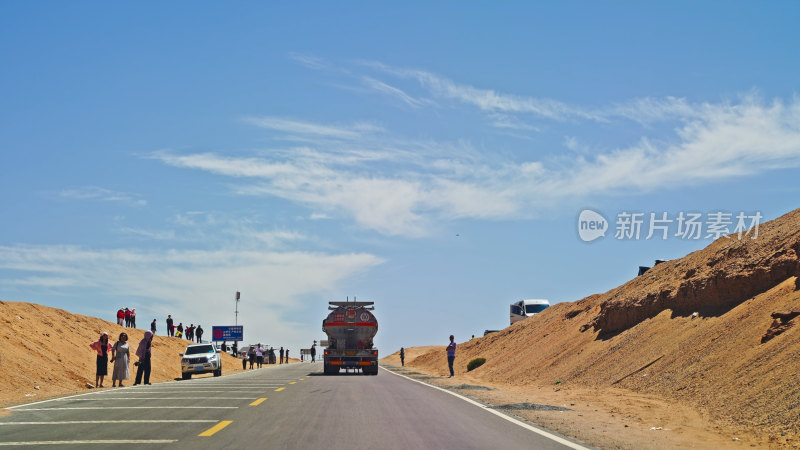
[
  {"x": 153, "y": 327},
  {"x": 102, "y": 347},
  {"x": 133, "y": 318},
  {"x": 120, "y": 356},
  {"x": 251, "y": 356},
  {"x": 259, "y": 356},
  {"x": 144, "y": 354},
  {"x": 451, "y": 354},
  {"x": 244, "y": 360},
  {"x": 170, "y": 326},
  {"x": 402, "y": 357},
  {"x": 313, "y": 352},
  {"x": 280, "y": 352},
  {"x": 199, "y": 333}
]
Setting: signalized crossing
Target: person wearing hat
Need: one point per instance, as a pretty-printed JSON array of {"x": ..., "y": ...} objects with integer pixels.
[{"x": 102, "y": 347}]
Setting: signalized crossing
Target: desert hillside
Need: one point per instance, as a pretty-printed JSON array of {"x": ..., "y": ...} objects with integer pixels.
[
  {"x": 716, "y": 330},
  {"x": 48, "y": 348}
]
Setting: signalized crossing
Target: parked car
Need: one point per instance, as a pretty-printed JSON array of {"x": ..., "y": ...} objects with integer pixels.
[{"x": 200, "y": 358}]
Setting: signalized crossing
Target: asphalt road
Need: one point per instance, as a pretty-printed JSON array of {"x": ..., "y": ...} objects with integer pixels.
[{"x": 283, "y": 406}]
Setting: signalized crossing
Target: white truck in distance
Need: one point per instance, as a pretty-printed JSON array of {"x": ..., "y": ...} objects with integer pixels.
[{"x": 527, "y": 308}]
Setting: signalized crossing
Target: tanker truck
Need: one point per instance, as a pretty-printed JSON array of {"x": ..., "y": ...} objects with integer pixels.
[{"x": 350, "y": 327}]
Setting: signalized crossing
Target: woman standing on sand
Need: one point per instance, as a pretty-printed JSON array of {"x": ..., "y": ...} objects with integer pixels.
[
  {"x": 120, "y": 356},
  {"x": 102, "y": 347}
]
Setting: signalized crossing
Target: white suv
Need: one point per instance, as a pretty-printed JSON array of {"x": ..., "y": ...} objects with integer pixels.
[{"x": 200, "y": 358}]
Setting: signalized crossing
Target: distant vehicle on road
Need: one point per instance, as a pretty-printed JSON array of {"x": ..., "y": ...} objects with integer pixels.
[
  {"x": 350, "y": 327},
  {"x": 527, "y": 308},
  {"x": 200, "y": 358}
]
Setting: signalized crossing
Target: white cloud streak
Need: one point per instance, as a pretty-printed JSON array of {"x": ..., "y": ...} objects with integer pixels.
[
  {"x": 405, "y": 197},
  {"x": 354, "y": 131},
  {"x": 101, "y": 194}
]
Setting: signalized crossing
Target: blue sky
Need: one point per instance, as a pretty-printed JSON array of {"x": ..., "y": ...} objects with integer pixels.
[{"x": 431, "y": 158}]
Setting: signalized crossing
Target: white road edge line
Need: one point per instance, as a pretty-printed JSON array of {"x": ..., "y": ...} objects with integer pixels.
[
  {"x": 132, "y": 441},
  {"x": 93, "y": 422},
  {"x": 541, "y": 432}
]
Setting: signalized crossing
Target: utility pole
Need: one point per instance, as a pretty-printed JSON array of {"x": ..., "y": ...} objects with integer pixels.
[{"x": 238, "y": 295}]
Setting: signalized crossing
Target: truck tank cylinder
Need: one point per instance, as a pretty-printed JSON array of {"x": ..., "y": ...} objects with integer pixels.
[{"x": 350, "y": 328}]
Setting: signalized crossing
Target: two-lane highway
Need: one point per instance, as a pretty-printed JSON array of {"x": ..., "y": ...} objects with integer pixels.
[{"x": 283, "y": 406}]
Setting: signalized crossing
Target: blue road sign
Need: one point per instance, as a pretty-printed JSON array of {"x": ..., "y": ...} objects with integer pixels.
[{"x": 227, "y": 333}]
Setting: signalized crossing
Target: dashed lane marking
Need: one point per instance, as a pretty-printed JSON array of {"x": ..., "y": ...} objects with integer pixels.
[
  {"x": 258, "y": 402},
  {"x": 280, "y": 389},
  {"x": 104, "y": 441},
  {"x": 94, "y": 422},
  {"x": 292, "y": 382},
  {"x": 215, "y": 428}
]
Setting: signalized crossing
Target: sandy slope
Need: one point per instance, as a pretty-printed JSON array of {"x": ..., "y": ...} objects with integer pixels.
[
  {"x": 49, "y": 348},
  {"x": 643, "y": 337}
]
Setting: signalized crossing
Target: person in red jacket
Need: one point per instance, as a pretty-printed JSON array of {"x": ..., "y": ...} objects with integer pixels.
[{"x": 120, "y": 316}]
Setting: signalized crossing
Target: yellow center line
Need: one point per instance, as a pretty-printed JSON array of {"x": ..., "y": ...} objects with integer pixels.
[
  {"x": 292, "y": 382},
  {"x": 301, "y": 379},
  {"x": 280, "y": 389},
  {"x": 258, "y": 402},
  {"x": 215, "y": 428}
]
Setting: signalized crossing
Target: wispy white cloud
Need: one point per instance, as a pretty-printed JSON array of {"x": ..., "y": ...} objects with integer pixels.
[
  {"x": 384, "y": 88},
  {"x": 162, "y": 235},
  {"x": 310, "y": 61},
  {"x": 190, "y": 284},
  {"x": 353, "y": 131},
  {"x": 407, "y": 196},
  {"x": 101, "y": 194}
]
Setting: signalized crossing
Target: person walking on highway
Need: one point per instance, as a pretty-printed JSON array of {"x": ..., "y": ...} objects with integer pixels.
[
  {"x": 120, "y": 356},
  {"x": 402, "y": 357},
  {"x": 280, "y": 352},
  {"x": 451, "y": 354},
  {"x": 244, "y": 360},
  {"x": 272, "y": 355},
  {"x": 102, "y": 347},
  {"x": 313, "y": 352},
  {"x": 133, "y": 317},
  {"x": 170, "y": 326},
  {"x": 199, "y": 333},
  {"x": 144, "y": 354}
]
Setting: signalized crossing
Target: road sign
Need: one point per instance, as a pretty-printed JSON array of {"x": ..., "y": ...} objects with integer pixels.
[
  {"x": 323, "y": 343},
  {"x": 227, "y": 333}
]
